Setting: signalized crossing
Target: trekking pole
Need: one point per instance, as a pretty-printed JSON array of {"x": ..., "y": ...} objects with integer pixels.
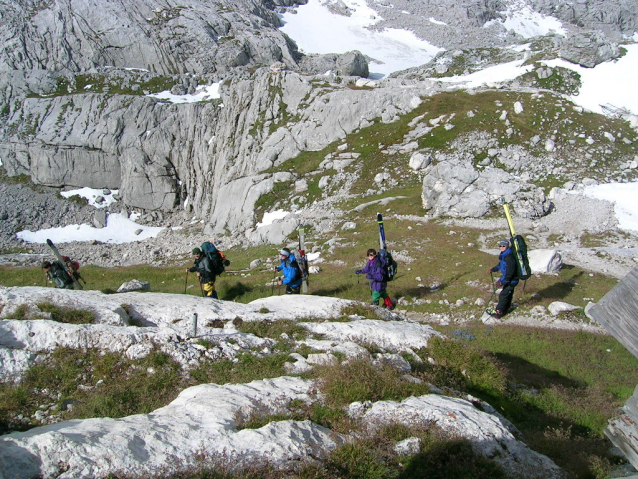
[
  {"x": 186, "y": 282},
  {"x": 274, "y": 275},
  {"x": 202, "y": 288}
]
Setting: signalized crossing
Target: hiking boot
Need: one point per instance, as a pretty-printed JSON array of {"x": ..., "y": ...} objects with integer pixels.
[
  {"x": 495, "y": 313},
  {"x": 389, "y": 303}
]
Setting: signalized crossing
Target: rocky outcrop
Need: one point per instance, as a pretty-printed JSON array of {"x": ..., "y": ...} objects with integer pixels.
[
  {"x": 352, "y": 63},
  {"x": 457, "y": 189},
  {"x": 136, "y": 144},
  {"x": 589, "y": 49},
  {"x": 613, "y": 17},
  {"x": 192, "y": 37}
]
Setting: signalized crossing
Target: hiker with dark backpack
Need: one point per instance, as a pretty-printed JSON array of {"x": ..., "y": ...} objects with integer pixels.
[
  {"x": 508, "y": 280},
  {"x": 205, "y": 272},
  {"x": 56, "y": 273},
  {"x": 291, "y": 271},
  {"x": 375, "y": 270}
]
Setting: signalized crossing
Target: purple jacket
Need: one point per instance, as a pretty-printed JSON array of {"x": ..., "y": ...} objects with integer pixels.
[{"x": 375, "y": 272}]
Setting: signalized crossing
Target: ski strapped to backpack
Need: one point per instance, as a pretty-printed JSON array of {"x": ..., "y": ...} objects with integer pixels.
[
  {"x": 390, "y": 265},
  {"x": 74, "y": 266},
  {"x": 68, "y": 270},
  {"x": 302, "y": 261},
  {"x": 519, "y": 248},
  {"x": 217, "y": 259}
]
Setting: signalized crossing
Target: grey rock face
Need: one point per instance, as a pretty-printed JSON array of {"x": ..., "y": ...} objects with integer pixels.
[
  {"x": 614, "y": 17},
  {"x": 131, "y": 143},
  {"x": 195, "y": 36},
  {"x": 589, "y": 49},
  {"x": 457, "y": 189},
  {"x": 352, "y": 63}
]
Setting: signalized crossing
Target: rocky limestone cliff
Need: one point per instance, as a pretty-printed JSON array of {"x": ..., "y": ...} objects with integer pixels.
[{"x": 75, "y": 82}]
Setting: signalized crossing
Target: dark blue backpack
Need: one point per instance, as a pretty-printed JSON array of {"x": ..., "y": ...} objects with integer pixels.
[{"x": 215, "y": 257}]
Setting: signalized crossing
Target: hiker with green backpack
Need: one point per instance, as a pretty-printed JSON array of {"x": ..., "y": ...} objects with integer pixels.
[
  {"x": 204, "y": 270},
  {"x": 508, "y": 280}
]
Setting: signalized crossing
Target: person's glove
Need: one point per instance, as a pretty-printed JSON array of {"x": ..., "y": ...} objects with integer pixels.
[
  {"x": 499, "y": 284},
  {"x": 357, "y": 271}
]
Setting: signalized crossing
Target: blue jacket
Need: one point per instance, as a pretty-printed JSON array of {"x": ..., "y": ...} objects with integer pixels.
[
  {"x": 292, "y": 273},
  {"x": 507, "y": 266},
  {"x": 375, "y": 272}
]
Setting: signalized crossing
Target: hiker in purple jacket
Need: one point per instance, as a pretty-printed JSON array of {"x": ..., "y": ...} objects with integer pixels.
[{"x": 375, "y": 271}]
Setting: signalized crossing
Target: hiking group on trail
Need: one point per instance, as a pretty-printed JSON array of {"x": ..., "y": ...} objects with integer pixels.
[{"x": 209, "y": 263}]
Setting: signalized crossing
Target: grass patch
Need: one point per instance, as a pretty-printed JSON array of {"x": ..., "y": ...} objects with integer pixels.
[
  {"x": 64, "y": 314},
  {"x": 274, "y": 329},
  {"x": 358, "y": 380},
  {"x": 561, "y": 388},
  {"x": 76, "y": 384},
  {"x": 247, "y": 368},
  {"x": 370, "y": 456}
]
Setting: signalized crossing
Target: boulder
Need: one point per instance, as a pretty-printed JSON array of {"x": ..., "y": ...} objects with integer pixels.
[
  {"x": 544, "y": 260},
  {"x": 558, "y": 307},
  {"x": 134, "y": 285},
  {"x": 352, "y": 64}
]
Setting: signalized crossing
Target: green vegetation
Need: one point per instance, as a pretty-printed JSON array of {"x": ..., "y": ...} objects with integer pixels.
[
  {"x": 112, "y": 386},
  {"x": 248, "y": 368},
  {"x": 461, "y": 116},
  {"x": 133, "y": 83},
  {"x": 64, "y": 314}
]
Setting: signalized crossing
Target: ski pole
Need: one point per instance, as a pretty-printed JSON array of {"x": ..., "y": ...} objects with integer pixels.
[
  {"x": 274, "y": 275},
  {"x": 186, "y": 282}
]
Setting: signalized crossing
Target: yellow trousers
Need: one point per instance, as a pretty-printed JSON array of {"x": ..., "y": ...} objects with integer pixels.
[{"x": 209, "y": 289}]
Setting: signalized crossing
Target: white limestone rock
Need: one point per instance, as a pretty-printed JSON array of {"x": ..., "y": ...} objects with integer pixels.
[
  {"x": 172, "y": 436},
  {"x": 490, "y": 434},
  {"x": 395, "y": 336},
  {"x": 558, "y": 307},
  {"x": 544, "y": 260}
]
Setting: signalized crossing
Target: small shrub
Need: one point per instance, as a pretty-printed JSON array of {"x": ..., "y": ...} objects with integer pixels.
[
  {"x": 21, "y": 313},
  {"x": 264, "y": 310},
  {"x": 63, "y": 314},
  {"x": 360, "y": 381}
]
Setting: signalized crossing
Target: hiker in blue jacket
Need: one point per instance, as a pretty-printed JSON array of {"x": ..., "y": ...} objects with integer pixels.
[
  {"x": 292, "y": 272},
  {"x": 508, "y": 281},
  {"x": 375, "y": 272}
]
